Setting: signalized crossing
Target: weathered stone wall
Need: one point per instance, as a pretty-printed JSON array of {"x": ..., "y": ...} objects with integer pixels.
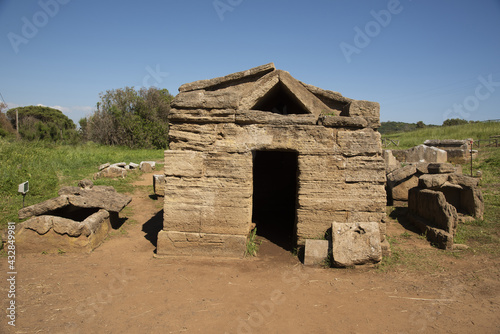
[
  {"x": 213, "y": 131},
  {"x": 341, "y": 176}
]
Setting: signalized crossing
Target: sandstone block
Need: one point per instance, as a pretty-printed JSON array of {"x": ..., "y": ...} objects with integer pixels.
[
  {"x": 355, "y": 244},
  {"x": 86, "y": 184},
  {"x": 228, "y": 79},
  {"x": 432, "y": 206},
  {"x": 423, "y": 153},
  {"x": 365, "y": 169},
  {"x": 171, "y": 243},
  {"x": 44, "y": 207},
  {"x": 366, "y": 109},
  {"x": 440, "y": 168},
  {"x": 266, "y": 117},
  {"x": 200, "y": 99},
  {"x": 391, "y": 163},
  {"x": 159, "y": 185},
  {"x": 432, "y": 180},
  {"x": 98, "y": 197},
  {"x": 202, "y": 115},
  {"x": 400, "y": 192},
  {"x": 184, "y": 163},
  {"x": 437, "y": 236},
  {"x": 343, "y": 122},
  {"x": 359, "y": 142},
  {"x": 111, "y": 172},
  {"x": 103, "y": 166},
  {"x": 146, "y": 167},
  {"x": 315, "y": 252},
  {"x": 401, "y": 174},
  {"x": 51, "y": 234}
]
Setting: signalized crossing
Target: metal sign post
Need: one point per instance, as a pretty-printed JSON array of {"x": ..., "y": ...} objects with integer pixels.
[{"x": 23, "y": 188}]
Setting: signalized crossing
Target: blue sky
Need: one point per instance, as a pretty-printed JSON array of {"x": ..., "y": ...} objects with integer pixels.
[{"x": 422, "y": 60}]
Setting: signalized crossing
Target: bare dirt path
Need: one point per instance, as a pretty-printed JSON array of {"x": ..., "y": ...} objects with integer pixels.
[{"x": 122, "y": 288}]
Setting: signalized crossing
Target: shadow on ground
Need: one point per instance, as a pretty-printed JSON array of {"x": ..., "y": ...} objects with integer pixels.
[
  {"x": 401, "y": 215},
  {"x": 152, "y": 227}
]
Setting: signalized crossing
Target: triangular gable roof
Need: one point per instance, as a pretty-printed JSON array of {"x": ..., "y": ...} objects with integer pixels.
[
  {"x": 295, "y": 90},
  {"x": 254, "y": 89}
]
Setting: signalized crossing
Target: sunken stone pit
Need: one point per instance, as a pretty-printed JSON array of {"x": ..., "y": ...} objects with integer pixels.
[
  {"x": 260, "y": 148},
  {"x": 76, "y": 221}
]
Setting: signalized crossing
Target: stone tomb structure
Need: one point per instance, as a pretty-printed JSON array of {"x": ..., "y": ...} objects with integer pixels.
[{"x": 261, "y": 149}]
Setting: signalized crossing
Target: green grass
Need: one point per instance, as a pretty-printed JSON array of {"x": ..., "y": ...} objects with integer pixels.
[
  {"x": 417, "y": 137},
  {"x": 484, "y": 235},
  {"x": 49, "y": 166},
  {"x": 407, "y": 259},
  {"x": 252, "y": 244}
]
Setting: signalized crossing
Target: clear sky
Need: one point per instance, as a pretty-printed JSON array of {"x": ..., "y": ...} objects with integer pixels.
[{"x": 423, "y": 60}]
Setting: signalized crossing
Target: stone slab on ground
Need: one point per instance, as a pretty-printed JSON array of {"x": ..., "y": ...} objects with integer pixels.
[
  {"x": 355, "y": 244},
  {"x": 315, "y": 252},
  {"x": 111, "y": 172},
  {"x": 171, "y": 243}
]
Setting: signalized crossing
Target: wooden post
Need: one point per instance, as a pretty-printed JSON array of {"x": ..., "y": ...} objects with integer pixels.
[{"x": 471, "y": 143}]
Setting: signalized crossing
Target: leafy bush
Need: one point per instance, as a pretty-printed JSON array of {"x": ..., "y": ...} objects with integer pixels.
[
  {"x": 454, "y": 121},
  {"x": 126, "y": 117}
]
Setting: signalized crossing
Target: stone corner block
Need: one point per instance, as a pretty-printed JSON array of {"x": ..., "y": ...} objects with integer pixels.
[
  {"x": 315, "y": 252},
  {"x": 355, "y": 243}
]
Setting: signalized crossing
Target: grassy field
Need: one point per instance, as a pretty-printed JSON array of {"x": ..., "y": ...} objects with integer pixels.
[
  {"x": 48, "y": 166},
  {"x": 417, "y": 137}
]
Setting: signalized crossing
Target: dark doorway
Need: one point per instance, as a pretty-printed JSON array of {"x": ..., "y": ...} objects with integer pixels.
[{"x": 275, "y": 196}]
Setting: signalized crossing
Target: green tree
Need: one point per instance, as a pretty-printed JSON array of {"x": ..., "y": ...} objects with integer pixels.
[
  {"x": 420, "y": 125},
  {"x": 43, "y": 123},
  {"x": 137, "y": 119},
  {"x": 454, "y": 121}
]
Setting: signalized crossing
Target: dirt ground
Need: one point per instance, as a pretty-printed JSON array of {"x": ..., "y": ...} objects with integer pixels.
[{"x": 122, "y": 288}]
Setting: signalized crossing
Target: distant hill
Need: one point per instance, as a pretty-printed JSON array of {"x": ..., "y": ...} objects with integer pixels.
[
  {"x": 474, "y": 130},
  {"x": 392, "y": 127}
]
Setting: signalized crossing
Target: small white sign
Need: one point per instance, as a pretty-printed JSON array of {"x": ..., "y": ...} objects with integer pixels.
[{"x": 23, "y": 187}]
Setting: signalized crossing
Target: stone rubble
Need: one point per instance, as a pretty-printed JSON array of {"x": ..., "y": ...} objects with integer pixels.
[{"x": 120, "y": 169}]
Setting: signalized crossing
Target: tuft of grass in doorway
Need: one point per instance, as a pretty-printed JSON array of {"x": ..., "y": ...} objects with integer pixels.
[{"x": 252, "y": 244}]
